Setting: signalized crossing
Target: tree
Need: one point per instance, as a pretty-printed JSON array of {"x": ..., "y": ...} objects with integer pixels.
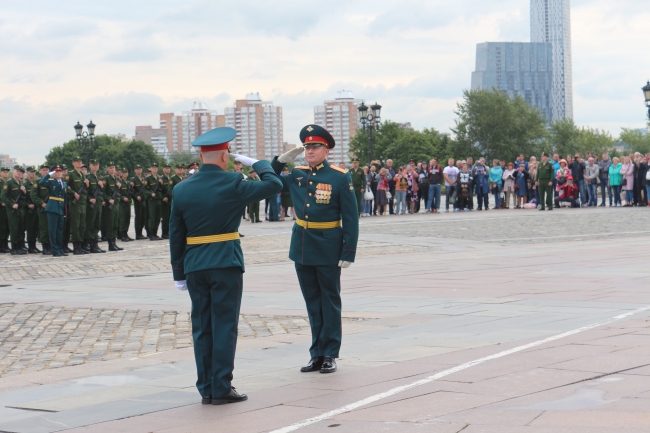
[
  {"x": 493, "y": 125},
  {"x": 638, "y": 141},
  {"x": 566, "y": 138},
  {"x": 183, "y": 158}
]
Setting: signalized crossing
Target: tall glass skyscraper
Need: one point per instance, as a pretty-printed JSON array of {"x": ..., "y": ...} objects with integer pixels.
[{"x": 550, "y": 21}]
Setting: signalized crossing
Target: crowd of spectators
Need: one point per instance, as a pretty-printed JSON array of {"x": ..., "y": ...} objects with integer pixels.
[{"x": 467, "y": 185}]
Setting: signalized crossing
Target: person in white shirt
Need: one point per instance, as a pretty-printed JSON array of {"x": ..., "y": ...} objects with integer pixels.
[{"x": 450, "y": 174}]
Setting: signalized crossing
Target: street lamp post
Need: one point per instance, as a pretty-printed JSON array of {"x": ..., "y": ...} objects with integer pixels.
[
  {"x": 84, "y": 138},
  {"x": 370, "y": 122},
  {"x": 646, "y": 93}
]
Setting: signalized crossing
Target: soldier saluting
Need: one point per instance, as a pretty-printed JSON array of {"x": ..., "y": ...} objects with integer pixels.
[
  {"x": 207, "y": 259},
  {"x": 323, "y": 197}
]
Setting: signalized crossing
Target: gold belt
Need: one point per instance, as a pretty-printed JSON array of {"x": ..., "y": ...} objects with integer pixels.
[
  {"x": 57, "y": 198},
  {"x": 225, "y": 237},
  {"x": 318, "y": 225}
]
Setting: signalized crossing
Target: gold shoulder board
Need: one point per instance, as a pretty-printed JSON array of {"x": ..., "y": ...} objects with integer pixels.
[
  {"x": 339, "y": 169},
  {"x": 302, "y": 167}
]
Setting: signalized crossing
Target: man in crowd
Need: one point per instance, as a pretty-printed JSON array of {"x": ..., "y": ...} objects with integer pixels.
[
  {"x": 139, "y": 203},
  {"x": 124, "y": 220},
  {"x": 94, "y": 208},
  {"x": 391, "y": 185},
  {"x": 4, "y": 219},
  {"x": 450, "y": 173},
  {"x": 591, "y": 179},
  {"x": 545, "y": 180},
  {"x": 40, "y": 196},
  {"x": 112, "y": 207},
  {"x": 77, "y": 193},
  {"x": 166, "y": 206},
  {"x": 13, "y": 197},
  {"x": 577, "y": 167},
  {"x": 154, "y": 195},
  {"x": 358, "y": 181},
  {"x": 55, "y": 208},
  {"x": 434, "y": 176},
  {"x": 31, "y": 212},
  {"x": 603, "y": 177}
]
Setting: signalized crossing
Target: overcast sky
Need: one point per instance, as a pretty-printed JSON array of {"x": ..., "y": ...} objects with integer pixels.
[{"x": 121, "y": 63}]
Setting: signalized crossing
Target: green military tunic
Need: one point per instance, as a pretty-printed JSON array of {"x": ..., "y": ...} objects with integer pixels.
[
  {"x": 13, "y": 193},
  {"x": 31, "y": 214},
  {"x": 358, "y": 177},
  {"x": 94, "y": 210},
  {"x": 166, "y": 206},
  {"x": 545, "y": 175},
  {"x": 126, "y": 193},
  {"x": 39, "y": 196},
  {"x": 77, "y": 208},
  {"x": 323, "y": 198},
  {"x": 154, "y": 195},
  {"x": 139, "y": 206},
  {"x": 111, "y": 192},
  {"x": 4, "y": 222}
]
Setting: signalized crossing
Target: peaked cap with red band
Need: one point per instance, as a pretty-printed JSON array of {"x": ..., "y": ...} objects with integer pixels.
[
  {"x": 215, "y": 139},
  {"x": 314, "y": 135}
]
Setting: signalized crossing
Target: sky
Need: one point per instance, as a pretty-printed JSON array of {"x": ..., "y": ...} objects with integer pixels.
[{"x": 121, "y": 63}]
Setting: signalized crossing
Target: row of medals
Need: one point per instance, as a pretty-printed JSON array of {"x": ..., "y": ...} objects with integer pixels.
[{"x": 323, "y": 193}]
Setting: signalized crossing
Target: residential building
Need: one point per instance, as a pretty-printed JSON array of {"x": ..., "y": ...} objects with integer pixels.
[
  {"x": 517, "y": 68},
  {"x": 550, "y": 22},
  {"x": 340, "y": 117},
  {"x": 7, "y": 161},
  {"x": 156, "y": 137},
  {"x": 259, "y": 127},
  {"x": 406, "y": 126},
  {"x": 122, "y": 137},
  {"x": 182, "y": 130}
]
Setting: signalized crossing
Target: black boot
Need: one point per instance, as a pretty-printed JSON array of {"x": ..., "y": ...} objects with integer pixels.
[
  {"x": 22, "y": 246},
  {"x": 77, "y": 249},
  {"x": 126, "y": 237},
  {"x": 115, "y": 245},
  {"x": 66, "y": 248},
  {"x": 35, "y": 247},
  {"x": 165, "y": 236},
  {"x": 32, "y": 248},
  {"x": 155, "y": 238},
  {"x": 47, "y": 251},
  {"x": 139, "y": 237},
  {"x": 4, "y": 248},
  {"x": 85, "y": 247},
  {"x": 16, "y": 250},
  {"x": 94, "y": 248},
  {"x": 112, "y": 246}
]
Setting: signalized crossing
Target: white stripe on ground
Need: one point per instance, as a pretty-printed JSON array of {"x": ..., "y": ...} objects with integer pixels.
[{"x": 400, "y": 389}]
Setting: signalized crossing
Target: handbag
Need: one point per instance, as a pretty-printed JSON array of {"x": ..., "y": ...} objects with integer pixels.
[
  {"x": 388, "y": 195},
  {"x": 368, "y": 195},
  {"x": 624, "y": 180}
]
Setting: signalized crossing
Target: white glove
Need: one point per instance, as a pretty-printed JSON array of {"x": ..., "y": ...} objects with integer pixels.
[
  {"x": 246, "y": 160},
  {"x": 181, "y": 285},
  {"x": 52, "y": 173},
  {"x": 291, "y": 155},
  {"x": 192, "y": 171},
  {"x": 343, "y": 264}
]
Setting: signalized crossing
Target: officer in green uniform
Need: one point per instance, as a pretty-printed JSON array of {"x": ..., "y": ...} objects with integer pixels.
[
  {"x": 112, "y": 206},
  {"x": 14, "y": 197},
  {"x": 324, "y": 239},
  {"x": 358, "y": 181},
  {"x": 55, "y": 208},
  {"x": 154, "y": 194},
  {"x": 126, "y": 192},
  {"x": 254, "y": 207},
  {"x": 4, "y": 222},
  {"x": 545, "y": 176},
  {"x": 77, "y": 192},
  {"x": 94, "y": 208},
  {"x": 139, "y": 202},
  {"x": 31, "y": 212},
  {"x": 166, "y": 206},
  {"x": 207, "y": 259},
  {"x": 39, "y": 196},
  {"x": 178, "y": 175}
]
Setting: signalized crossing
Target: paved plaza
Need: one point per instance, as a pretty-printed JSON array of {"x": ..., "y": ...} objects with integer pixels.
[{"x": 499, "y": 321}]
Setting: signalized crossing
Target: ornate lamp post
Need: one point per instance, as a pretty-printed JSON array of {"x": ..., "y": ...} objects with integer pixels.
[
  {"x": 646, "y": 93},
  {"x": 84, "y": 138},
  {"x": 370, "y": 122}
]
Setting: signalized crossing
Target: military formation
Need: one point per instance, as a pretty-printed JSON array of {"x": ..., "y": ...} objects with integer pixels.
[{"x": 93, "y": 205}]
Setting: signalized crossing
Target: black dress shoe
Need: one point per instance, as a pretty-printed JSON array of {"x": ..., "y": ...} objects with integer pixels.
[
  {"x": 206, "y": 400},
  {"x": 314, "y": 365},
  {"x": 329, "y": 365},
  {"x": 232, "y": 397},
  {"x": 140, "y": 237}
]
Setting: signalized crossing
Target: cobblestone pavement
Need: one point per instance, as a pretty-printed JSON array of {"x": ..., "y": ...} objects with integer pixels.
[{"x": 37, "y": 337}]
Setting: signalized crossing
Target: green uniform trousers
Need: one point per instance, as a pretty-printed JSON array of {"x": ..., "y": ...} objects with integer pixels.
[
  {"x": 16, "y": 224},
  {"x": 112, "y": 220},
  {"x": 66, "y": 227},
  {"x": 104, "y": 220},
  {"x": 254, "y": 211},
  {"x": 358, "y": 194},
  {"x": 216, "y": 299},
  {"x": 77, "y": 221},
  {"x": 44, "y": 232},
  {"x": 93, "y": 222},
  {"x": 139, "y": 220},
  {"x": 31, "y": 224},
  {"x": 546, "y": 191},
  {"x": 154, "y": 208},
  {"x": 4, "y": 224},
  {"x": 321, "y": 289},
  {"x": 125, "y": 217},
  {"x": 166, "y": 210}
]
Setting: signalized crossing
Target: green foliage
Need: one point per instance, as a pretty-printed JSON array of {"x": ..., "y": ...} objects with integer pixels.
[
  {"x": 566, "y": 138},
  {"x": 493, "y": 125},
  {"x": 107, "y": 149},
  {"x": 184, "y": 158},
  {"x": 400, "y": 145},
  {"x": 638, "y": 141}
]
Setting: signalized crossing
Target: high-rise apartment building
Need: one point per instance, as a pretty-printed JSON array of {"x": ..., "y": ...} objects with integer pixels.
[
  {"x": 183, "y": 129},
  {"x": 517, "y": 68},
  {"x": 341, "y": 118},
  {"x": 550, "y": 21},
  {"x": 259, "y": 127},
  {"x": 156, "y": 137}
]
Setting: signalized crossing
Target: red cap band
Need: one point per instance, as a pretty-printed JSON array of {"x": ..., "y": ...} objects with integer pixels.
[
  {"x": 316, "y": 140},
  {"x": 215, "y": 147}
]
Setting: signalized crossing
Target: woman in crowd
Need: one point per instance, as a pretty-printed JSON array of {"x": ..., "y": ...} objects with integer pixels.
[
  {"x": 564, "y": 170},
  {"x": 615, "y": 180},
  {"x": 640, "y": 171},
  {"x": 482, "y": 184},
  {"x": 627, "y": 182},
  {"x": 372, "y": 176},
  {"x": 496, "y": 181},
  {"x": 423, "y": 187},
  {"x": 521, "y": 186},
  {"x": 382, "y": 187},
  {"x": 533, "y": 193},
  {"x": 509, "y": 184},
  {"x": 412, "y": 188},
  {"x": 401, "y": 186}
]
